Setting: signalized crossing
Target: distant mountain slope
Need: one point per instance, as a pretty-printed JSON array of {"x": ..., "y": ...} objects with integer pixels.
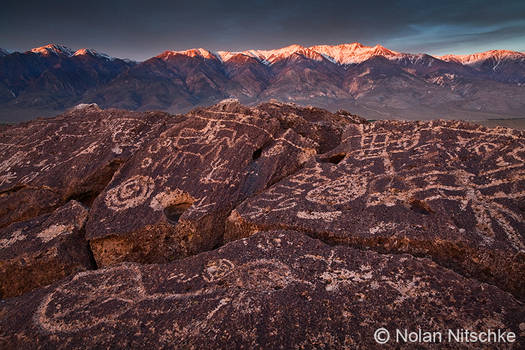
[{"x": 373, "y": 81}]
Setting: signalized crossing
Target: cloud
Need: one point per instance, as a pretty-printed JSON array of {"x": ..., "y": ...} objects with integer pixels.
[{"x": 141, "y": 29}]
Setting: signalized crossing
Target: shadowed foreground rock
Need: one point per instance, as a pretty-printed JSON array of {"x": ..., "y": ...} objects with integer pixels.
[
  {"x": 43, "y": 250},
  {"x": 447, "y": 190},
  {"x": 272, "y": 290}
]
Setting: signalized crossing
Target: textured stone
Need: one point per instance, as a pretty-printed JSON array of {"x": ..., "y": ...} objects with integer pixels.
[
  {"x": 333, "y": 226},
  {"x": 182, "y": 185},
  {"x": 450, "y": 191},
  {"x": 46, "y": 162},
  {"x": 284, "y": 290},
  {"x": 43, "y": 250}
]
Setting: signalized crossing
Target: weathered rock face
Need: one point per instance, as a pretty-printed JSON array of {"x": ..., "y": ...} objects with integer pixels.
[
  {"x": 43, "y": 250},
  {"x": 447, "y": 190},
  {"x": 46, "y": 162},
  {"x": 284, "y": 291},
  {"x": 182, "y": 185},
  {"x": 334, "y": 227}
]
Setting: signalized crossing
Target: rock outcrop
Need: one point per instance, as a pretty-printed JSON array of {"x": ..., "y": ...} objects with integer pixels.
[
  {"x": 45, "y": 249},
  {"x": 271, "y": 290},
  {"x": 274, "y": 226},
  {"x": 184, "y": 183},
  {"x": 47, "y": 162},
  {"x": 446, "y": 190}
]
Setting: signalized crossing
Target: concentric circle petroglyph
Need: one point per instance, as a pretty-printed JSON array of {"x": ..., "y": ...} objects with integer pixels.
[
  {"x": 130, "y": 193},
  {"x": 338, "y": 191}
]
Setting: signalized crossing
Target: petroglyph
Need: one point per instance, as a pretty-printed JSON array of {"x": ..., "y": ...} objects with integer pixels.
[
  {"x": 201, "y": 168},
  {"x": 409, "y": 183},
  {"x": 217, "y": 269},
  {"x": 339, "y": 191},
  {"x": 130, "y": 193},
  {"x": 342, "y": 290},
  {"x": 177, "y": 190},
  {"x": 315, "y": 215},
  {"x": 56, "y": 158},
  {"x": 54, "y": 231},
  {"x": 122, "y": 287}
]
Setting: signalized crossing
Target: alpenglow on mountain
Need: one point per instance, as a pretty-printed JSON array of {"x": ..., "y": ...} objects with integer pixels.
[{"x": 374, "y": 82}]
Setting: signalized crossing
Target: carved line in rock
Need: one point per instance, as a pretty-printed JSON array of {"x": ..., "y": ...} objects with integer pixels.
[{"x": 123, "y": 285}]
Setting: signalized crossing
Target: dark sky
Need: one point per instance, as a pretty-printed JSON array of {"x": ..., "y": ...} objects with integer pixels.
[{"x": 141, "y": 29}]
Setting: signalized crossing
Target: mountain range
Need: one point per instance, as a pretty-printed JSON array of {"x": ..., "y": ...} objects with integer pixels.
[{"x": 374, "y": 82}]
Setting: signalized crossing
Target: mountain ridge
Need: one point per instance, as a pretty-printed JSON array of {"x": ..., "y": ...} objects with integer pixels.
[
  {"x": 373, "y": 81},
  {"x": 337, "y": 53}
]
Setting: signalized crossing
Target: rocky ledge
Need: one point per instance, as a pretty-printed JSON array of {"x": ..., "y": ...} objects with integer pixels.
[{"x": 274, "y": 226}]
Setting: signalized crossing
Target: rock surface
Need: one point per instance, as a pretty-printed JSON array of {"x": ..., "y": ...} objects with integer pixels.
[
  {"x": 447, "y": 190},
  {"x": 284, "y": 291},
  {"x": 274, "y": 226},
  {"x": 183, "y": 184},
  {"x": 46, "y": 162},
  {"x": 43, "y": 250}
]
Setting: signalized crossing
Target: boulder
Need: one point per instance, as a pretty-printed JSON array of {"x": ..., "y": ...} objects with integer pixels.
[
  {"x": 270, "y": 290},
  {"x": 46, "y": 162},
  {"x": 449, "y": 191},
  {"x": 43, "y": 250},
  {"x": 172, "y": 197}
]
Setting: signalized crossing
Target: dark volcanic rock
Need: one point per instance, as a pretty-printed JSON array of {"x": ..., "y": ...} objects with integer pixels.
[
  {"x": 43, "y": 250},
  {"x": 46, "y": 162},
  {"x": 413, "y": 220},
  {"x": 446, "y": 190},
  {"x": 284, "y": 291},
  {"x": 182, "y": 185}
]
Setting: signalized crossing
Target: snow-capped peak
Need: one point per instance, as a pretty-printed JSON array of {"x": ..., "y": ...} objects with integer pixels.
[
  {"x": 200, "y": 52},
  {"x": 477, "y": 58},
  {"x": 91, "y": 52},
  {"x": 271, "y": 56},
  {"x": 353, "y": 53},
  {"x": 53, "y": 49},
  {"x": 344, "y": 54},
  {"x": 340, "y": 54}
]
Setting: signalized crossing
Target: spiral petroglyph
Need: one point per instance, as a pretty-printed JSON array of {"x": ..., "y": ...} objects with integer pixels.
[{"x": 130, "y": 193}]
